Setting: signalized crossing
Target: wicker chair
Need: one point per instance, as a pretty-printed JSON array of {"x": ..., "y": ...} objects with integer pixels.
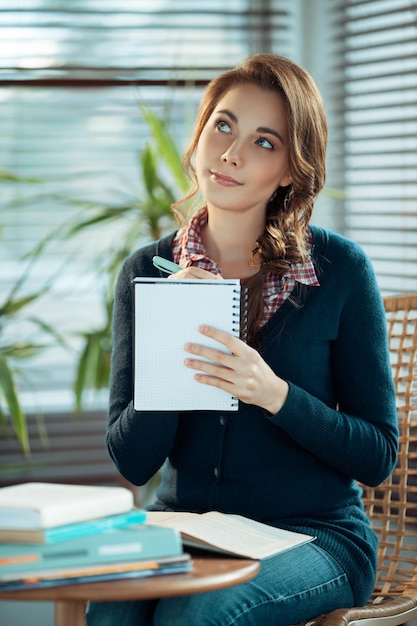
[{"x": 392, "y": 507}]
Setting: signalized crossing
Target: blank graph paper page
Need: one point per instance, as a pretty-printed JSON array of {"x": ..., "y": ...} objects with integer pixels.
[{"x": 167, "y": 314}]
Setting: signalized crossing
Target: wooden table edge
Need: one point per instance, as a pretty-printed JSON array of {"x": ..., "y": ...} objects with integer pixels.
[{"x": 209, "y": 573}]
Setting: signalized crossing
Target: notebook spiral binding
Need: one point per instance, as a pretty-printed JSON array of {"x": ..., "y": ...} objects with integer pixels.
[
  {"x": 240, "y": 313},
  {"x": 240, "y": 321},
  {"x": 243, "y": 328}
]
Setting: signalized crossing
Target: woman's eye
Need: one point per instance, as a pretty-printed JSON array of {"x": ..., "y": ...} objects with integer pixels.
[
  {"x": 264, "y": 143},
  {"x": 223, "y": 127}
]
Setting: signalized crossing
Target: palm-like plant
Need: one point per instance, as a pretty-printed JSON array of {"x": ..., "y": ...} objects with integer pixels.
[
  {"x": 150, "y": 214},
  {"x": 14, "y": 351}
]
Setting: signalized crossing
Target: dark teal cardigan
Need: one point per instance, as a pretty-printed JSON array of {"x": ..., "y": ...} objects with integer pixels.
[{"x": 296, "y": 469}]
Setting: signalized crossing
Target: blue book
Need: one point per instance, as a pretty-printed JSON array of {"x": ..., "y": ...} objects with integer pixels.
[
  {"x": 97, "y": 573},
  {"x": 120, "y": 545},
  {"x": 71, "y": 531}
]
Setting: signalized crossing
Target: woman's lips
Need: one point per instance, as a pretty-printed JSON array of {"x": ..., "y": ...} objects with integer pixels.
[{"x": 225, "y": 181}]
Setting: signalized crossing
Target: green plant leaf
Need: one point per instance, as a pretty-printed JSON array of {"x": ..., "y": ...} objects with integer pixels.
[
  {"x": 21, "y": 350},
  {"x": 8, "y": 176},
  {"x": 167, "y": 147},
  {"x": 10, "y": 397},
  {"x": 81, "y": 379},
  {"x": 105, "y": 214},
  {"x": 338, "y": 194},
  {"x": 12, "y": 305},
  {"x": 93, "y": 369},
  {"x": 149, "y": 175},
  {"x": 50, "y": 330}
]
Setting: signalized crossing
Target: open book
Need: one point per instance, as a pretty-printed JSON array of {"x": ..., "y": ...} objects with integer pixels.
[{"x": 229, "y": 534}]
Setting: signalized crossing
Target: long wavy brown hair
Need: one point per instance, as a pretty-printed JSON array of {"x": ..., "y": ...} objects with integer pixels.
[{"x": 283, "y": 241}]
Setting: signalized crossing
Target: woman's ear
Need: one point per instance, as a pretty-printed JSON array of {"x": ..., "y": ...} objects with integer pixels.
[{"x": 286, "y": 180}]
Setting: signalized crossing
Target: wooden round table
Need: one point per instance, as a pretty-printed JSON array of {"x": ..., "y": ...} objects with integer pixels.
[{"x": 208, "y": 574}]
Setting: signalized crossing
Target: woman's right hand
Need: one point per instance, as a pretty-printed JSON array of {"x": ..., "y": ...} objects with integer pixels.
[{"x": 194, "y": 272}]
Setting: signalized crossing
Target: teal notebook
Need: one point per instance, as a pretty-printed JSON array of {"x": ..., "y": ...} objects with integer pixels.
[
  {"x": 71, "y": 531},
  {"x": 128, "y": 544}
]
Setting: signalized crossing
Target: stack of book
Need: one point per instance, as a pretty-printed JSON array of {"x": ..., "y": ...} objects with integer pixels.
[{"x": 58, "y": 534}]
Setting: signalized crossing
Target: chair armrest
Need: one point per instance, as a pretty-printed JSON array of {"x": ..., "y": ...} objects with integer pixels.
[{"x": 404, "y": 608}]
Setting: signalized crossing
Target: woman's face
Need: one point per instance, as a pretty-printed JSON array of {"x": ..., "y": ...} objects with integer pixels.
[{"x": 242, "y": 155}]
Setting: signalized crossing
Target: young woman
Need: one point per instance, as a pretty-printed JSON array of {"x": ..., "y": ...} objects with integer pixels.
[{"x": 316, "y": 399}]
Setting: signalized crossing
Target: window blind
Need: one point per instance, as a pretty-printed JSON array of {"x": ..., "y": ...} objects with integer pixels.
[
  {"x": 71, "y": 75},
  {"x": 374, "y": 112}
]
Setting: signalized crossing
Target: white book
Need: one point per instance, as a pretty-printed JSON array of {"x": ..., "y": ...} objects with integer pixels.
[
  {"x": 229, "y": 534},
  {"x": 45, "y": 505},
  {"x": 167, "y": 314}
]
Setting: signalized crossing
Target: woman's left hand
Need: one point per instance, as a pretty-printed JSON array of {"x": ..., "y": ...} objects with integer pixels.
[{"x": 243, "y": 373}]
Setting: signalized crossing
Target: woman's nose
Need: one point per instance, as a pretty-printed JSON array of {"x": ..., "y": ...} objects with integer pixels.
[{"x": 232, "y": 155}]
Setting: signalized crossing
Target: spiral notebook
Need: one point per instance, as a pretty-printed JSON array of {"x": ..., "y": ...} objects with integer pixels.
[{"x": 167, "y": 314}]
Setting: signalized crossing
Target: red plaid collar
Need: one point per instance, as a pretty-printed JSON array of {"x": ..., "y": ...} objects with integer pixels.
[{"x": 187, "y": 250}]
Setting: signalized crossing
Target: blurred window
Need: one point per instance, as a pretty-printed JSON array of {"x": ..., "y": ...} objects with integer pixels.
[
  {"x": 374, "y": 115},
  {"x": 72, "y": 75}
]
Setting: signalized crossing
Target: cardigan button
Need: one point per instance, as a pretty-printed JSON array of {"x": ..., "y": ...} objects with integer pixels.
[
  {"x": 222, "y": 420},
  {"x": 216, "y": 472}
]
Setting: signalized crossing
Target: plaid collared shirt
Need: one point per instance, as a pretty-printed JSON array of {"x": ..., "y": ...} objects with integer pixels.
[{"x": 187, "y": 250}]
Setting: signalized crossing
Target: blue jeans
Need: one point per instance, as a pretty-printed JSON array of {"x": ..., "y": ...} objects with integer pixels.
[{"x": 290, "y": 588}]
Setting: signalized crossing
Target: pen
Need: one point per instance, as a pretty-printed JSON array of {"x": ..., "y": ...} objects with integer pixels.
[{"x": 165, "y": 266}]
